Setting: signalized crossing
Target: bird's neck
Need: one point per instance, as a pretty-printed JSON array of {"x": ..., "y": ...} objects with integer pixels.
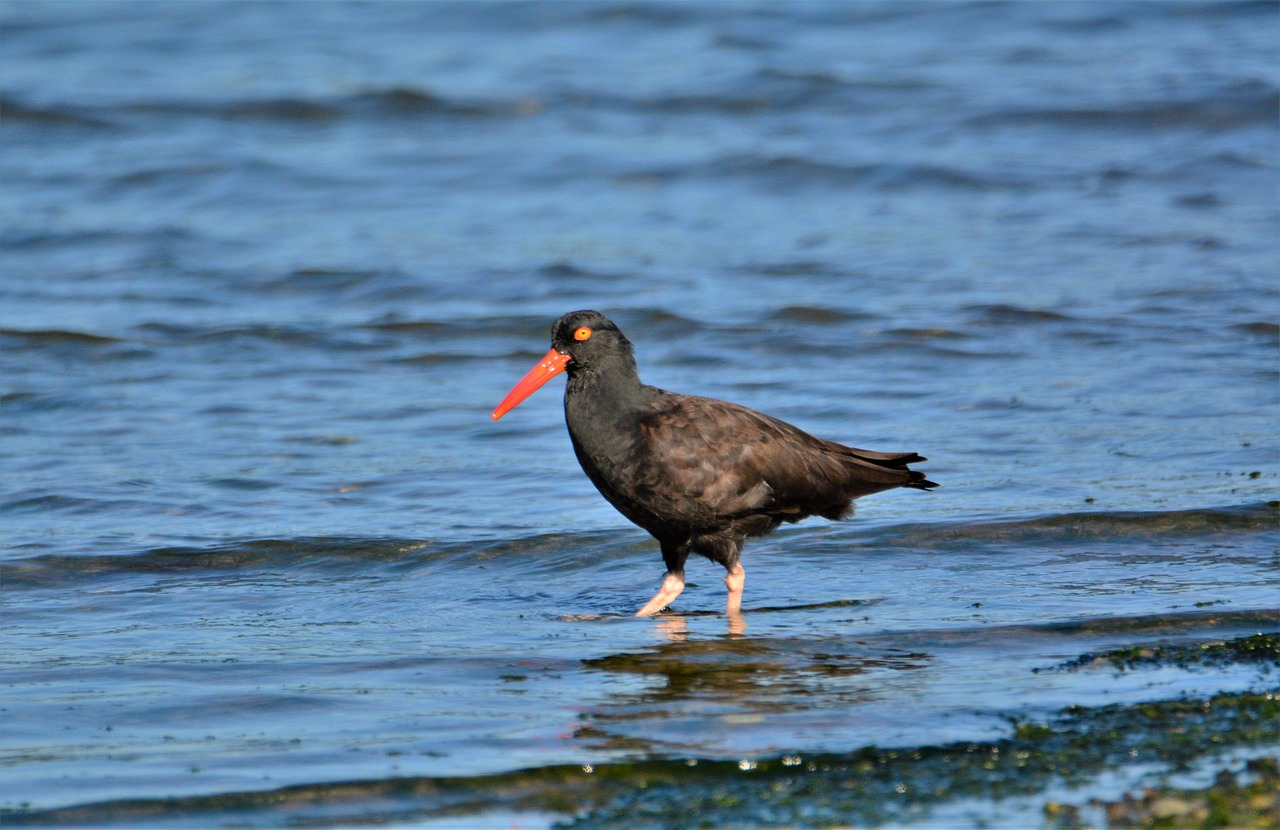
[{"x": 602, "y": 405}]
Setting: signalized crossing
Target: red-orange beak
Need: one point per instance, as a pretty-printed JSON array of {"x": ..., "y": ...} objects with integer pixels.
[{"x": 550, "y": 366}]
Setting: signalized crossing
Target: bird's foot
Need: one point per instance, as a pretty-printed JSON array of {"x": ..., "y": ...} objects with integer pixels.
[
  {"x": 672, "y": 585},
  {"x": 734, "y": 580}
]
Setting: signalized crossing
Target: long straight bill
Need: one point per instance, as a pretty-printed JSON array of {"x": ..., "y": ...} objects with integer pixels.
[{"x": 550, "y": 366}]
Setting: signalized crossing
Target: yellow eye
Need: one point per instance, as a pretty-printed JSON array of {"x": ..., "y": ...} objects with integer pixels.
[{"x": 582, "y": 333}]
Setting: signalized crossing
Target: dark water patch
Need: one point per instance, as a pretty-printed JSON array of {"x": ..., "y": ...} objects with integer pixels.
[
  {"x": 72, "y": 505},
  {"x": 257, "y": 333},
  {"x": 1241, "y": 105},
  {"x": 372, "y": 104},
  {"x": 1264, "y": 330},
  {"x": 57, "y": 337},
  {"x": 323, "y": 440},
  {"x": 323, "y": 281},
  {"x": 929, "y": 348},
  {"x": 816, "y": 315},
  {"x": 407, "y": 102},
  {"x": 659, "y": 15},
  {"x": 20, "y": 398},
  {"x": 19, "y": 239},
  {"x": 71, "y": 346},
  {"x": 814, "y": 606},
  {"x": 563, "y": 270},
  {"x": 27, "y": 240},
  {"x": 429, "y": 329},
  {"x": 766, "y": 91},
  {"x": 272, "y": 109},
  {"x": 13, "y": 111},
  {"x": 660, "y": 320},
  {"x": 534, "y": 329},
  {"x": 1262, "y": 649},
  {"x": 1184, "y": 624},
  {"x": 446, "y": 358},
  {"x": 556, "y": 551},
  {"x": 59, "y": 569},
  {"x": 1229, "y": 9},
  {"x": 243, "y": 484},
  {"x": 865, "y": 787},
  {"x": 184, "y": 175},
  {"x": 1005, "y": 314},
  {"x": 824, "y": 80},
  {"x": 788, "y": 172},
  {"x": 1199, "y": 201},
  {"x": 927, "y": 334},
  {"x": 1096, "y": 24},
  {"x": 26, "y": 402},
  {"x": 796, "y": 268}
]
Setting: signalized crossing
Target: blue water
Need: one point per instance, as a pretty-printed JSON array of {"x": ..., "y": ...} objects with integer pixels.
[{"x": 268, "y": 267}]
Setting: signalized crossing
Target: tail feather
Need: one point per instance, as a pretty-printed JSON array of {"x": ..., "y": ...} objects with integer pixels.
[
  {"x": 892, "y": 460},
  {"x": 897, "y": 461},
  {"x": 919, "y": 482}
]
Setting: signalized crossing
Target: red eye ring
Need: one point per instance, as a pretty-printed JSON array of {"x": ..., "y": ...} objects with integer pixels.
[{"x": 583, "y": 333}]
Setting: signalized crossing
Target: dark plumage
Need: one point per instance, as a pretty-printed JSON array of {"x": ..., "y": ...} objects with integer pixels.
[{"x": 699, "y": 474}]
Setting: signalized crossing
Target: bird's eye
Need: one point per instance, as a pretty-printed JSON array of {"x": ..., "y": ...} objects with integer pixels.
[{"x": 582, "y": 333}]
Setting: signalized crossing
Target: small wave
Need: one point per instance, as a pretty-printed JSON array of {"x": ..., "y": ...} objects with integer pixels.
[
  {"x": 814, "y": 315},
  {"x": 73, "y": 505},
  {"x": 254, "y": 333},
  {"x": 1004, "y": 314},
  {"x": 535, "y": 329},
  {"x": 767, "y": 90},
  {"x": 320, "y": 280},
  {"x": 558, "y": 551},
  {"x": 58, "y": 336},
  {"x": 799, "y": 268},
  {"x": 58, "y": 569},
  {"x": 909, "y": 333},
  {"x": 395, "y": 102},
  {"x": 828, "y": 79},
  {"x": 790, "y": 171},
  {"x": 16, "y": 240},
  {"x": 14, "y": 111},
  {"x": 1241, "y": 105},
  {"x": 1102, "y": 526},
  {"x": 1264, "y": 329},
  {"x": 555, "y": 552},
  {"x": 72, "y": 344}
]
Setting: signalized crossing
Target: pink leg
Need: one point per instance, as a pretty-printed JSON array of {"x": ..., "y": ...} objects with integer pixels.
[
  {"x": 734, "y": 580},
  {"x": 672, "y": 585}
]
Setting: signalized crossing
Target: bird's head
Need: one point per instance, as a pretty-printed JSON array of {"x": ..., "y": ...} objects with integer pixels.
[{"x": 580, "y": 341}]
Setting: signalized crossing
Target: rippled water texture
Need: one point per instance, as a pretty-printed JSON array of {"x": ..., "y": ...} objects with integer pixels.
[{"x": 268, "y": 267}]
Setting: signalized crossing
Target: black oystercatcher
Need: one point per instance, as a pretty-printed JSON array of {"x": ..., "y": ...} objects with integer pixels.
[{"x": 700, "y": 475}]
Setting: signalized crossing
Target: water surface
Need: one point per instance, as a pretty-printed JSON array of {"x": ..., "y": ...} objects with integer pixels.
[{"x": 267, "y": 269}]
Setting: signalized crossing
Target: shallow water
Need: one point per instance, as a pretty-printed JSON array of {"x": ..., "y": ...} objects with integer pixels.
[{"x": 267, "y": 269}]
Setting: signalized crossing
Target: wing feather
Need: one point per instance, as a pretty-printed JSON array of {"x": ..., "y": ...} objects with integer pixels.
[{"x": 711, "y": 461}]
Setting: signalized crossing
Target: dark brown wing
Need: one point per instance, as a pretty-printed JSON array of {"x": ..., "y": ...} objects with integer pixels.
[{"x": 708, "y": 461}]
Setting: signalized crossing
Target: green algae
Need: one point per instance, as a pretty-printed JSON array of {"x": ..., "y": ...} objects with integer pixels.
[
  {"x": 1260, "y": 649},
  {"x": 867, "y": 787}
]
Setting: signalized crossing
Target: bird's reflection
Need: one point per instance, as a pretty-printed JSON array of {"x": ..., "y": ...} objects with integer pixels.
[
  {"x": 675, "y": 627},
  {"x": 696, "y": 680}
]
